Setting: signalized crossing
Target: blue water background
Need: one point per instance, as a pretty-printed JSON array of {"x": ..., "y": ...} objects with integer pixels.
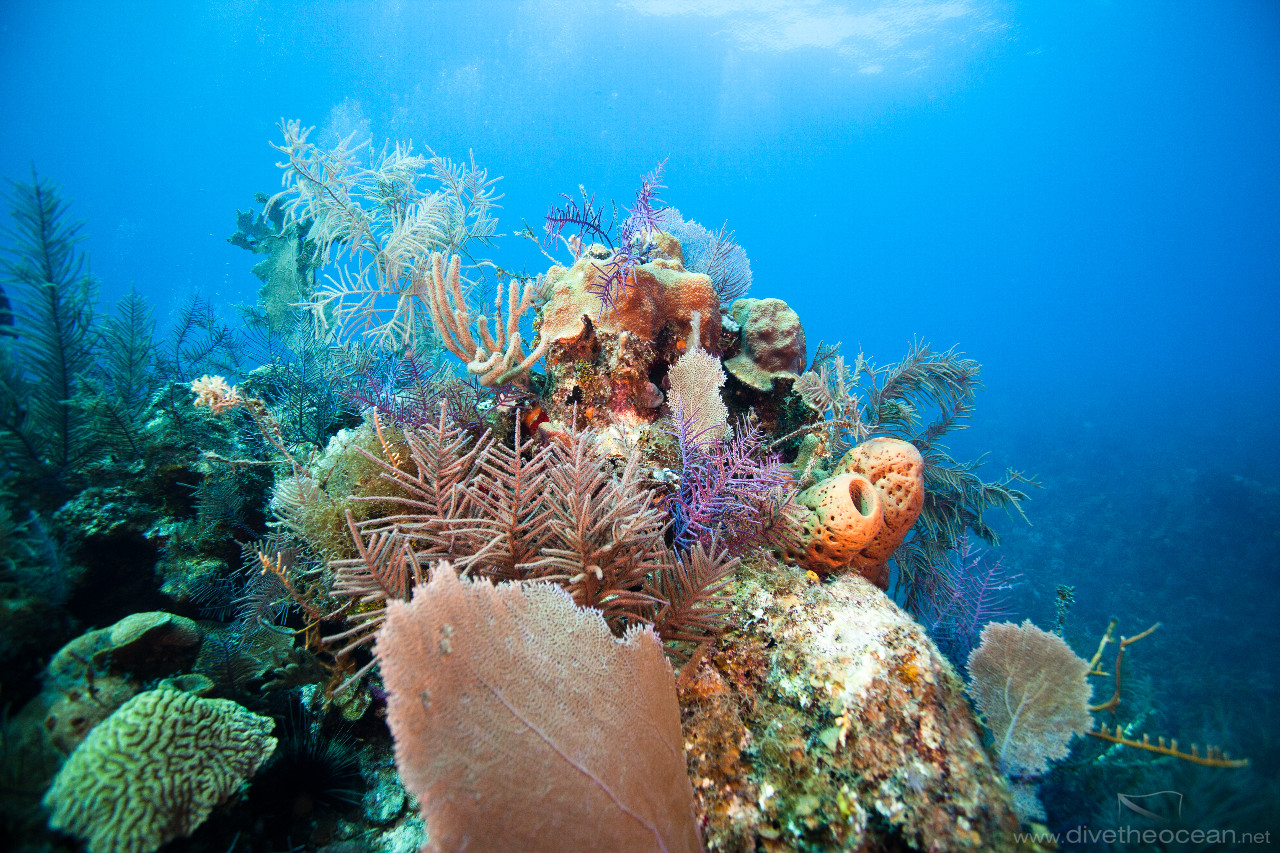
[{"x": 1083, "y": 196}]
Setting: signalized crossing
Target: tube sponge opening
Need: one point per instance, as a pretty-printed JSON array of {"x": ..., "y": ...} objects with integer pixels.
[{"x": 846, "y": 514}]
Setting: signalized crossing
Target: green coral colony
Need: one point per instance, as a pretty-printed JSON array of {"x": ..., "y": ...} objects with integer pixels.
[{"x": 709, "y": 549}]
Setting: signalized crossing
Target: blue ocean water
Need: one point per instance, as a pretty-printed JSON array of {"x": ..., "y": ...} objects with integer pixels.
[{"x": 1084, "y": 197}]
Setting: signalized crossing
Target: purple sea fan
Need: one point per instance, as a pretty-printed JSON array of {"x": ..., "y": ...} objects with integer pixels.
[{"x": 729, "y": 490}]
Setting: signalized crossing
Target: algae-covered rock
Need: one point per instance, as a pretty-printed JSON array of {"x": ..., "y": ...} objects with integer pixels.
[
  {"x": 828, "y": 720},
  {"x": 142, "y": 644}
]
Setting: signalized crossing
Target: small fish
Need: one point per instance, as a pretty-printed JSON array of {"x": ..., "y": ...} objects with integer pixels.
[{"x": 6, "y": 317}]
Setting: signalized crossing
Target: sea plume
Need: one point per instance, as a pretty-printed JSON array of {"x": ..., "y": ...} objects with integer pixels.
[{"x": 510, "y": 709}]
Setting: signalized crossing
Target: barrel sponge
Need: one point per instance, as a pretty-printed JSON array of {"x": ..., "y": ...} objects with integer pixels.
[
  {"x": 897, "y": 470},
  {"x": 845, "y": 514},
  {"x": 155, "y": 769}
]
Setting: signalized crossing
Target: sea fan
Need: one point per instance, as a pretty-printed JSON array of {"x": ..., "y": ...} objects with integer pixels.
[
  {"x": 510, "y": 708},
  {"x": 715, "y": 254},
  {"x": 1033, "y": 693}
]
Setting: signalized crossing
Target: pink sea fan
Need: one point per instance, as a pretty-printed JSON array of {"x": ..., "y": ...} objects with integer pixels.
[
  {"x": 522, "y": 723},
  {"x": 1033, "y": 693}
]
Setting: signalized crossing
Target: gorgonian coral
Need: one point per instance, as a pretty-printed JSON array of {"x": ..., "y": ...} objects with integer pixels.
[
  {"x": 635, "y": 235},
  {"x": 732, "y": 490}
]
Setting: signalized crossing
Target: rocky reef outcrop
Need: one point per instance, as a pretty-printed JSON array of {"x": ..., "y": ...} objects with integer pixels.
[
  {"x": 610, "y": 364},
  {"x": 826, "y": 719}
]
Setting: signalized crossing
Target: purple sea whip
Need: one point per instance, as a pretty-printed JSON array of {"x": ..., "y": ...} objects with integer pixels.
[{"x": 634, "y": 246}]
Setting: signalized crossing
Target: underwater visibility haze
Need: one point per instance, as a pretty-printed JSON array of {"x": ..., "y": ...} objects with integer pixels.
[{"x": 747, "y": 425}]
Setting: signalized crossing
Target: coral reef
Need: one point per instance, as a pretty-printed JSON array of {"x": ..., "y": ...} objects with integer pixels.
[
  {"x": 640, "y": 460},
  {"x": 96, "y": 673}
]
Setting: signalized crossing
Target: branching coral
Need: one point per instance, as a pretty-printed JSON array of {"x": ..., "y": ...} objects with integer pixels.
[
  {"x": 607, "y": 534},
  {"x": 975, "y": 592},
  {"x": 733, "y": 490},
  {"x": 41, "y": 432},
  {"x": 1211, "y": 757}
]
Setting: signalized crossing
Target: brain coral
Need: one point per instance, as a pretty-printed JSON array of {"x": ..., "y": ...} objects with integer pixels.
[{"x": 154, "y": 769}]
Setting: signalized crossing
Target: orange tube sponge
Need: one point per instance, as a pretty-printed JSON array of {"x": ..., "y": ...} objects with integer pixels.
[
  {"x": 896, "y": 469},
  {"x": 846, "y": 514}
]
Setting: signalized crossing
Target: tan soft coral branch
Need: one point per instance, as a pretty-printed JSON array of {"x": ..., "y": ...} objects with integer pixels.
[{"x": 499, "y": 357}]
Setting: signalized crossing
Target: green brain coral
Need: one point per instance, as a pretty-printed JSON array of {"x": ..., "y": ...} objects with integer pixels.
[{"x": 155, "y": 769}]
